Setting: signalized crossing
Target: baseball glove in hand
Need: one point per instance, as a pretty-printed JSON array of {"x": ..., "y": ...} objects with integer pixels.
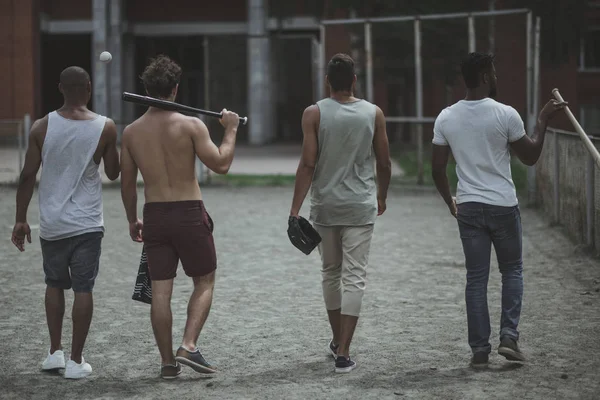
[{"x": 302, "y": 234}]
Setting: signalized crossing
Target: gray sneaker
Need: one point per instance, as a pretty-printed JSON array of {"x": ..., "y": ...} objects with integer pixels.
[
  {"x": 510, "y": 350},
  {"x": 194, "y": 360}
]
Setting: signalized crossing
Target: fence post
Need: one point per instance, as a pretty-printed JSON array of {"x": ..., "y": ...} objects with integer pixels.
[
  {"x": 556, "y": 173},
  {"x": 589, "y": 197},
  {"x": 419, "y": 99},
  {"x": 472, "y": 41},
  {"x": 23, "y": 139},
  {"x": 369, "y": 61}
]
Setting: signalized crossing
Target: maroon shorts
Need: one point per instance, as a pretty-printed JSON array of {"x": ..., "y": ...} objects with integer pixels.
[{"x": 178, "y": 230}]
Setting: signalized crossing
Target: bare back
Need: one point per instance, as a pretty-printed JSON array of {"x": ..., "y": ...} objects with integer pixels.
[{"x": 161, "y": 145}]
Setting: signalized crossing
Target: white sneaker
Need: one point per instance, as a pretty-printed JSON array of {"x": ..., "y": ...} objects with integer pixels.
[
  {"x": 54, "y": 361},
  {"x": 77, "y": 371}
]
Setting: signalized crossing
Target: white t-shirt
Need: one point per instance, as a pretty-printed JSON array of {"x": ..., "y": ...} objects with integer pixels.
[{"x": 478, "y": 133}]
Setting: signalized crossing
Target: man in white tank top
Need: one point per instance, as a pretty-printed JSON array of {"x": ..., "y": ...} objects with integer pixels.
[
  {"x": 480, "y": 132},
  {"x": 346, "y": 164},
  {"x": 70, "y": 143}
]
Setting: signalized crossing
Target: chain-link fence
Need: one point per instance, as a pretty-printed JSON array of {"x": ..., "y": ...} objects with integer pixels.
[{"x": 568, "y": 186}]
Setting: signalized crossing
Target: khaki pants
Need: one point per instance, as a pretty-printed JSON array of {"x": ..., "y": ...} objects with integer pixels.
[{"x": 345, "y": 255}]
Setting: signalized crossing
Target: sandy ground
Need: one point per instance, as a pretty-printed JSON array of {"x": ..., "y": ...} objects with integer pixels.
[{"x": 268, "y": 333}]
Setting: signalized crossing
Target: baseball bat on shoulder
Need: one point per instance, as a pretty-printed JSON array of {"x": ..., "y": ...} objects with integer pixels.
[{"x": 586, "y": 140}]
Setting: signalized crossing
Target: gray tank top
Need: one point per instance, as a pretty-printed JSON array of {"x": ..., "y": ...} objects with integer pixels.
[
  {"x": 70, "y": 189},
  {"x": 344, "y": 191}
]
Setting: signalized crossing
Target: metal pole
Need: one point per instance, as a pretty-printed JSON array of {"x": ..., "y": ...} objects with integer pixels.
[
  {"x": 369, "y": 61},
  {"x": 589, "y": 197},
  {"x": 347, "y": 21},
  {"x": 535, "y": 95},
  {"x": 529, "y": 108},
  {"x": 202, "y": 175},
  {"x": 100, "y": 78},
  {"x": 471, "y": 22},
  {"x": 25, "y": 133},
  {"x": 20, "y": 134},
  {"x": 322, "y": 67},
  {"x": 419, "y": 100},
  {"x": 556, "y": 173},
  {"x": 492, "y": 26}
]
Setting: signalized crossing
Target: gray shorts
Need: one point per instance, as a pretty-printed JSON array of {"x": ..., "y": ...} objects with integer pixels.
[{"x": 72, "y": 262}]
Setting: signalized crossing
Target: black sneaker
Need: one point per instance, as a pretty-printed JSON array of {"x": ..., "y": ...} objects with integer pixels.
[
  {"x": 510, "y": 350},
  {"x": 344, "y": 365},
  {"x": 333, "y": 348},
  {"x": 170, "y": 371},
  {"x": 480, "y": 359},
  {"x": 194, "y": 360}
]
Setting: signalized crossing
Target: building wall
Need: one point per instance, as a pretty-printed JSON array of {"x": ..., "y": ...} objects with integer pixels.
[
  {"x": 19, "y": 52},
  {"x": 67, "y": 9},
  {"x": 185, "y": 10}
]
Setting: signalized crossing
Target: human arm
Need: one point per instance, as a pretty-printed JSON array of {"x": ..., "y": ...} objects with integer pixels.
[
  {"x": 440, "y": 154},
  {"x": 218, "y": 159},
  {"x": 308, "y": 159},
  {"x": 383, "y": 163},
  {"x": 528, "y": 149},
  {"x": 129, "y": 171},
  {"x": 110, "y": 154},
  {"x": 27, "y": 179}
]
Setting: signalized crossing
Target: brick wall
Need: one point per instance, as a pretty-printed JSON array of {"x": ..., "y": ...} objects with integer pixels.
[{"x": 19, "y": 55}]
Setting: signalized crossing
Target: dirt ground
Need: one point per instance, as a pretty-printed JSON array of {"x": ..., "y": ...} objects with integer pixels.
[{"x": 268, "y": 333}]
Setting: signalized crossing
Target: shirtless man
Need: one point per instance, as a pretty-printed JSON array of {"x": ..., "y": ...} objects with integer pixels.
[{"x": 164, "y": 145}]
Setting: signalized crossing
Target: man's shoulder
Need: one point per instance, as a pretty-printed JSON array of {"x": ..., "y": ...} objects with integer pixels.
[{"x": 507, "y": 109}]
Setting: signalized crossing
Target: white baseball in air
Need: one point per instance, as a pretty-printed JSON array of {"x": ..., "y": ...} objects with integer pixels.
[{"x": 105, "y": 56}]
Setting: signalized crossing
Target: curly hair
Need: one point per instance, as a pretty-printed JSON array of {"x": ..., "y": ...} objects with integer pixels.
[
  {"x": 340, "y": 72},
  {"x": 161, "y": 76}
]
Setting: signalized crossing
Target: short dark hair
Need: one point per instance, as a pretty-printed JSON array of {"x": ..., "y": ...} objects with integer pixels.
[
  {"x": 473, "y": 66},
  {"x": 340, "y": 72},
  {"x": 161, "y": 76},
  {"x": 74, "y": 81}
]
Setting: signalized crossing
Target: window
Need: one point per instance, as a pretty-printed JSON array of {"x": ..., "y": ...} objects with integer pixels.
[
  {"x": 590, "y": 118},
  {"x": 589, "y": 58}
]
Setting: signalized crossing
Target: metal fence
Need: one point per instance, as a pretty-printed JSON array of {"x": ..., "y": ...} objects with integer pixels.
[
  {"x": 13, "y": 145},
  {"x": 407, "y": 76},
  {"x": 568, "y": 186}
]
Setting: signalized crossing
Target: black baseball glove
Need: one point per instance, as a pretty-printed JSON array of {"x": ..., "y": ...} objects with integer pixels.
[{"x": 302, "y": 234}]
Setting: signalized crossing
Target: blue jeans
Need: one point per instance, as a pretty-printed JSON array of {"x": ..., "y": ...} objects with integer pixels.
[{"x": 480, "y": 226}]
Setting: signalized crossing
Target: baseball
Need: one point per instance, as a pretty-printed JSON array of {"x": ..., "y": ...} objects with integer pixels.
[{"x": 105, "y": 56}]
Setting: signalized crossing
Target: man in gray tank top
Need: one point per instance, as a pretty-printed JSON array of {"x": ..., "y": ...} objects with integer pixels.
[
  {"x": 70, "y": 143},
  {"x": 346, "y": 164}
]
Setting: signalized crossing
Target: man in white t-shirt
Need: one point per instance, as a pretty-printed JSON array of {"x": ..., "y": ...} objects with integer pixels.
[{"x": 480, "y": 132}]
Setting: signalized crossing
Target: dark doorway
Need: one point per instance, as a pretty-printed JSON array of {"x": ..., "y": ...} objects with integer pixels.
[
  {"x": 293, "y": 64},
  {"x": 188, "y": 52},
  {"x": 57, "y": 53}
]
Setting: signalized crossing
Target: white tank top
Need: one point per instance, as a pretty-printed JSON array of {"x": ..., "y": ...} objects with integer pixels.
[{"x": 70, "y": 189}]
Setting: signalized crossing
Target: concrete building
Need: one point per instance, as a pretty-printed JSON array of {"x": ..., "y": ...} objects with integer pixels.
[{"x": 235, "y": 55}]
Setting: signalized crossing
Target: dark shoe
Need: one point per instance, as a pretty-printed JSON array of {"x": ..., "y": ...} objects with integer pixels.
[
  {"x": 194, "y": 360},
  {"x": 480, "y": 360},
  {"x": 509, "y": 349},
  {"x": 170, "y": 371},
  {"x": 333, "y": 348},
  {"x": 344, "y": 365}
]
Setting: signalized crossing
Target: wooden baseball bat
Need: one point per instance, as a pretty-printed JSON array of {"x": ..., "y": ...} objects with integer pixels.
[
  {"x": 172, "y": 106},
  {"x": 586, "y": 140}
]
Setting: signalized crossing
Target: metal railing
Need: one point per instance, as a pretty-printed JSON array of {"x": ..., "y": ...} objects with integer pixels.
[
  {"x": 568, "y": 186},
  {"x": 11, "y": 158}
]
